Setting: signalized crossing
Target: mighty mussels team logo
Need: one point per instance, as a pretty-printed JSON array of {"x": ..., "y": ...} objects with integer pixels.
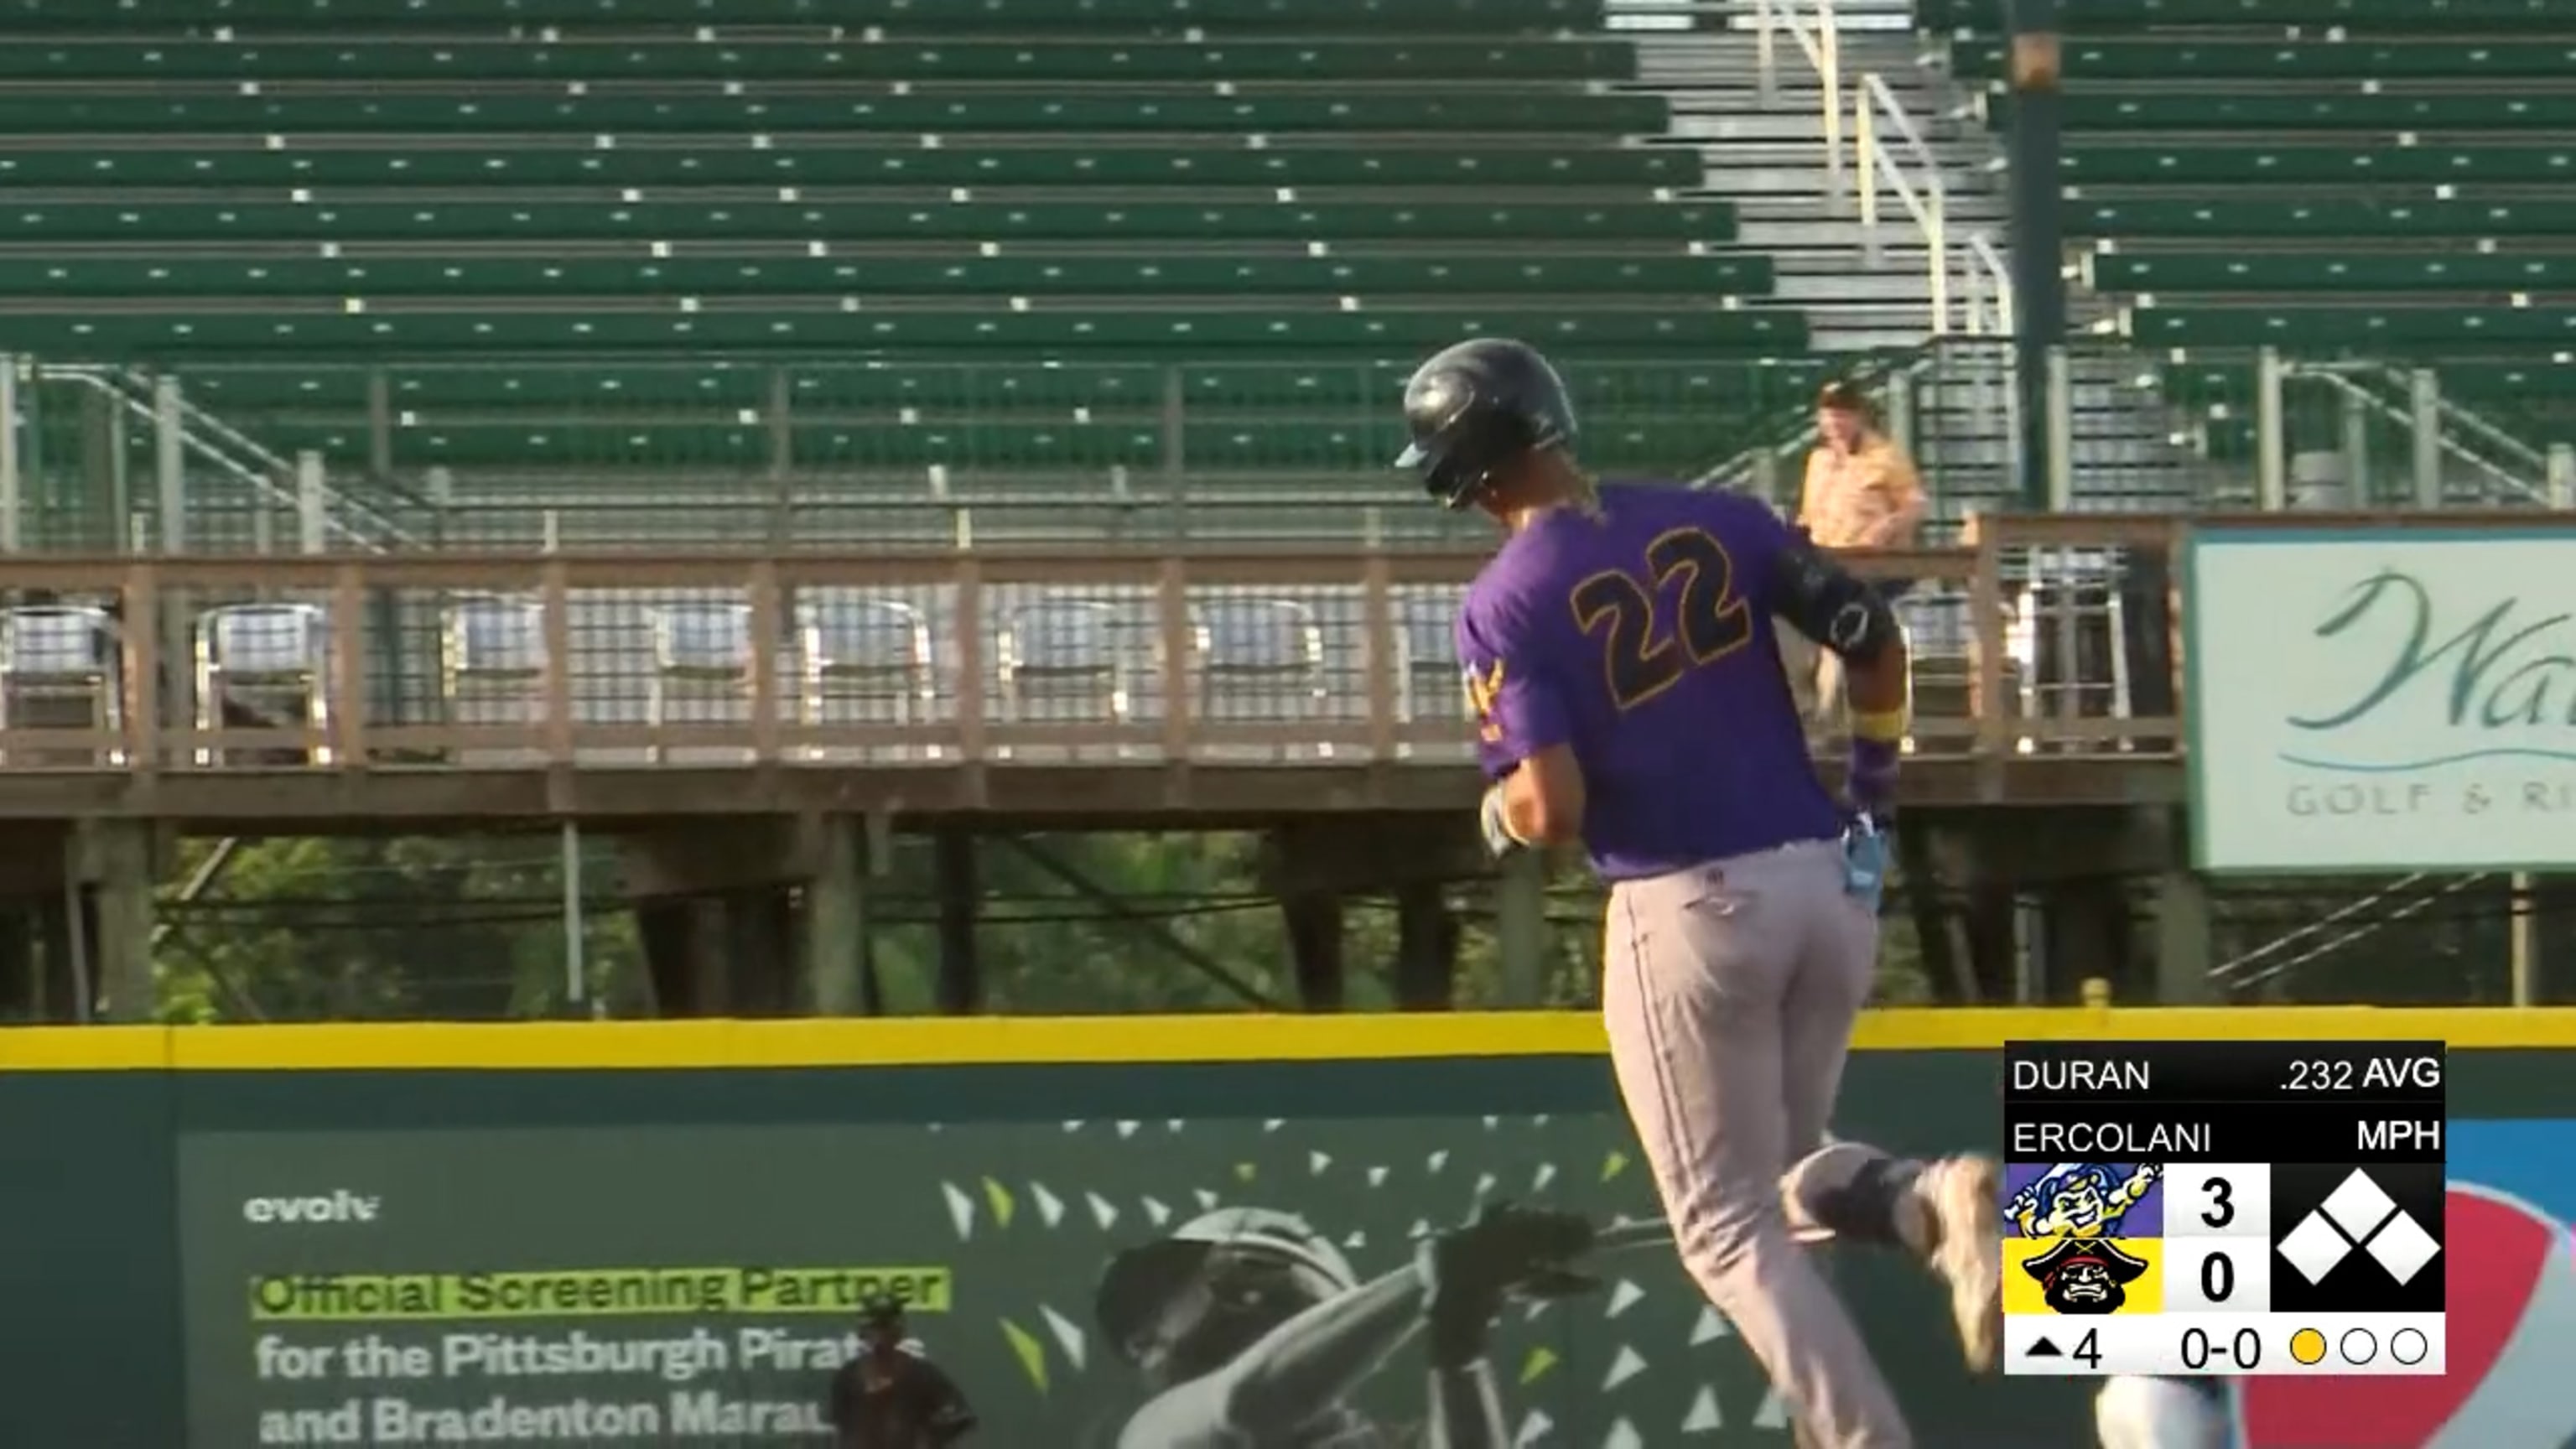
[
  {"x": 2082, "y": 1237},
  {"x": 2421, "y": 687}
]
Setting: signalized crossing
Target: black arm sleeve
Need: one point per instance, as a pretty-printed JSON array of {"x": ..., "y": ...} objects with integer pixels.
[{"x": 1829, "y": 604}]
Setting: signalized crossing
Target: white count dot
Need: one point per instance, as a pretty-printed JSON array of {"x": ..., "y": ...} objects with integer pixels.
[
  {"x": 2361, "y": 1345},
  {"x": 2407, "y": 1346}
]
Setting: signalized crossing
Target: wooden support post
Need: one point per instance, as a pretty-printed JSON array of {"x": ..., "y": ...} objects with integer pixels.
[
  {"x": 114, "y": 870},
  {"x": 836, "y": 965},
  {"x": 961, "y": 977},
  {"x": 1520, "y": 925}
]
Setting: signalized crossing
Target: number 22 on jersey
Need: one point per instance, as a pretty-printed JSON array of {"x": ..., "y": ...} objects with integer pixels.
[{"x": 1646, "y": 651}]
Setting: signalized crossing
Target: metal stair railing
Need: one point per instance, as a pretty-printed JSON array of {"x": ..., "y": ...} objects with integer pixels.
[
  {"x": 2260, "y": 966},
  {"x": 182, "y": 430},
  {"x": 2513, "y": 470},
  {"x": 1990, "y": 290},
  {"x": 1981, "y": 273},
  {"x": 1819, "y": 40},
  {"x": 2554, "y": 466}
]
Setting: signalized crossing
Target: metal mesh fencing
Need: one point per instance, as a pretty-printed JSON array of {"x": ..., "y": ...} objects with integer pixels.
[
  {"x": 871, "y": 454},
  {"x": 1062, "y": 661}
]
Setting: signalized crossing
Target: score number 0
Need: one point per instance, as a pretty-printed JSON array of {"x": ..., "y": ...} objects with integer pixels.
[{"x": 2217, "y": 1284}]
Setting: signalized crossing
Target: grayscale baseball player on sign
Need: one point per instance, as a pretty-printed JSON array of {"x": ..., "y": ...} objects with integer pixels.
[
  {"x": 1251, "y": 1330},
  {"x": 1629, "y": 694}
]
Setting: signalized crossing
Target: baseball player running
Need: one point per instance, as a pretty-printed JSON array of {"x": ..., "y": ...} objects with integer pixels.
[{"x": 1629, "y": 692}]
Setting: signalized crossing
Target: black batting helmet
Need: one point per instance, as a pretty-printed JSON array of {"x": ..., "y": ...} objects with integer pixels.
[
  {"x": 1478, "y": 407},
  {"x": 1241, "y": 1255}
]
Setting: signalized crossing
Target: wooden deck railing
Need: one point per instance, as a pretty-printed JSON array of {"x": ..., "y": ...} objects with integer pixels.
[{"x": 984, "y": 656}]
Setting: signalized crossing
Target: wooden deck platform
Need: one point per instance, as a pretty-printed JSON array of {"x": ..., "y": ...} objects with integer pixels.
[{"x": 394, "y": 693}]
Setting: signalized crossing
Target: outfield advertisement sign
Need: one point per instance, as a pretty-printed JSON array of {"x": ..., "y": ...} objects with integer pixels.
[
  {"x": 699, "y": 1284},
  {"x": 2382, "y": 699},
  {"x": 522, "y": 1237}
]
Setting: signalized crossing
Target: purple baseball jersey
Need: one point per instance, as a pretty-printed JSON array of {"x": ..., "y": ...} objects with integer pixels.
[{"x": 1643, "y": 638}]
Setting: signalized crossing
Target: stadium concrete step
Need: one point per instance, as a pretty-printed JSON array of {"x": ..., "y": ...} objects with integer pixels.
[
  {"x": 1858, "y": 286},
  {"x": 1767, "y": 151}
]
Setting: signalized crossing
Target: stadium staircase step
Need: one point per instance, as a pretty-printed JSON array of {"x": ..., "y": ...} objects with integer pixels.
[{"x": 1765, "y": 154}]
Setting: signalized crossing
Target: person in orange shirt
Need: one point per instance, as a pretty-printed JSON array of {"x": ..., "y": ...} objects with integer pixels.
[{"x": 1861, "y": 491}]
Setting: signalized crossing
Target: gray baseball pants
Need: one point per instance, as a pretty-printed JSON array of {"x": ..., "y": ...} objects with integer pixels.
[{"x": 1729, "y": 992}]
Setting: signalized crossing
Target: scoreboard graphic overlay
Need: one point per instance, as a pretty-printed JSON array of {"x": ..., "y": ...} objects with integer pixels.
[{"x": 2223, "y": 1207}]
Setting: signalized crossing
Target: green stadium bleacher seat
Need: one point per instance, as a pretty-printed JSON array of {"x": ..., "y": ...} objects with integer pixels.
[
  {"x": 760, "y": 112},
  {"x": 1661, "y": 387},
  {"x": 2212, "y": 217},
  {"x": 603, "y": 240},
  {"x": 2271, "y": 115},
  {"x": 626, "y": 279},
  {"x": 2354, "y": 329},
  {"x": 2282, "y": 273},
  {"x": 2163, "y": 59},
  {"x": 1648, "y": 416},
  {"x": 984, "y": 329},
  {"x": 558, "y": 216},
  {"x": 907, "y": 163},
  {"x": 2329, "y": 178},
  {"x": 2089, "y": 163},
  {"x": 1026, "y": 60},
  {"x": 2113, "y": 17},
  {"x": 1295, "y": 16},
  {"x": 980, "y": 443},
  {"x": 486, "y": 61}
]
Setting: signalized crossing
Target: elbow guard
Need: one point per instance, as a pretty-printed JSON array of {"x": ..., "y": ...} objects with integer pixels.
[{"x": 1831, "y": 605}]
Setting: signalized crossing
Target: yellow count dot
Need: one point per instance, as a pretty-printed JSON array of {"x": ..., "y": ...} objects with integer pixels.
[{"x": 2308, "y": 1346}]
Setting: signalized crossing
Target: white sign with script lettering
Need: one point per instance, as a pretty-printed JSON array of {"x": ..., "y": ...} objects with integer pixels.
[{"x": 2382, "y": 699}]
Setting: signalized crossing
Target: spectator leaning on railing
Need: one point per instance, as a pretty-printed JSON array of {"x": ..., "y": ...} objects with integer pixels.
[{"x": 1861, "y": 491}]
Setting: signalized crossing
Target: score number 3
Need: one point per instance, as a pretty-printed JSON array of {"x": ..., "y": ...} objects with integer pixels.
[{"x": 1642, "y": 655}]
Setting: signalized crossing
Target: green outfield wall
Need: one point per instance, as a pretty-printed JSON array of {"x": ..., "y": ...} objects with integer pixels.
[{"x": 654, "y": 1234}]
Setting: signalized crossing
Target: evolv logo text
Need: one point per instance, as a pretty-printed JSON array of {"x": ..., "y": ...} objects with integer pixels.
[
  {"x": 2501, "y": 685},
  {"x": 341, "y": 1206}
]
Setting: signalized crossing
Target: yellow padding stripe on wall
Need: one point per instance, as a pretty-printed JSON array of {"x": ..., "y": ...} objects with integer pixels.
[{"x": 987, "y": 1041}]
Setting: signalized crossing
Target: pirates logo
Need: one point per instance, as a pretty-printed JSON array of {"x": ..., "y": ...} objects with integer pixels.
[{"x": 2085, "y": 1275}]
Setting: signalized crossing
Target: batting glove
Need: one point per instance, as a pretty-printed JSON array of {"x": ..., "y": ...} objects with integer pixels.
[
  {"x": 1507, "y": 1252},
  {"x": 1494, "y": 819},
  {"x": 1865, "y": 862}
]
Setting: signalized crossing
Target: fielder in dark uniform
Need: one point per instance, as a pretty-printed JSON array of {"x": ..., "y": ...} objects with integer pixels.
[
  {"x": 1629, "y": 693},
  {"x": 892, "y": 1397},
  {"x": 1251, "y": 1331}
]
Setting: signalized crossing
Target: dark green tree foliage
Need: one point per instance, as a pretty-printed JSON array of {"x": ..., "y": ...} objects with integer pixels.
[
  {"x": 2427, "y": 940},
  {"x": 422, "y": 927},
  {"x": 472, "y": 929}
]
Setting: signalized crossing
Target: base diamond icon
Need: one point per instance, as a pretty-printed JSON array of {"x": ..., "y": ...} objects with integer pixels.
[
  {"x": 2403, "y": 1248},
  {"x": 2314, "y": 1247},
  {"x": 2359, "y": 1205}
]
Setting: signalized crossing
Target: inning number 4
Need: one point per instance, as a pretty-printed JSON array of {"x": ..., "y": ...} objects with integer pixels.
[{"x": 1644, "y": 655}]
